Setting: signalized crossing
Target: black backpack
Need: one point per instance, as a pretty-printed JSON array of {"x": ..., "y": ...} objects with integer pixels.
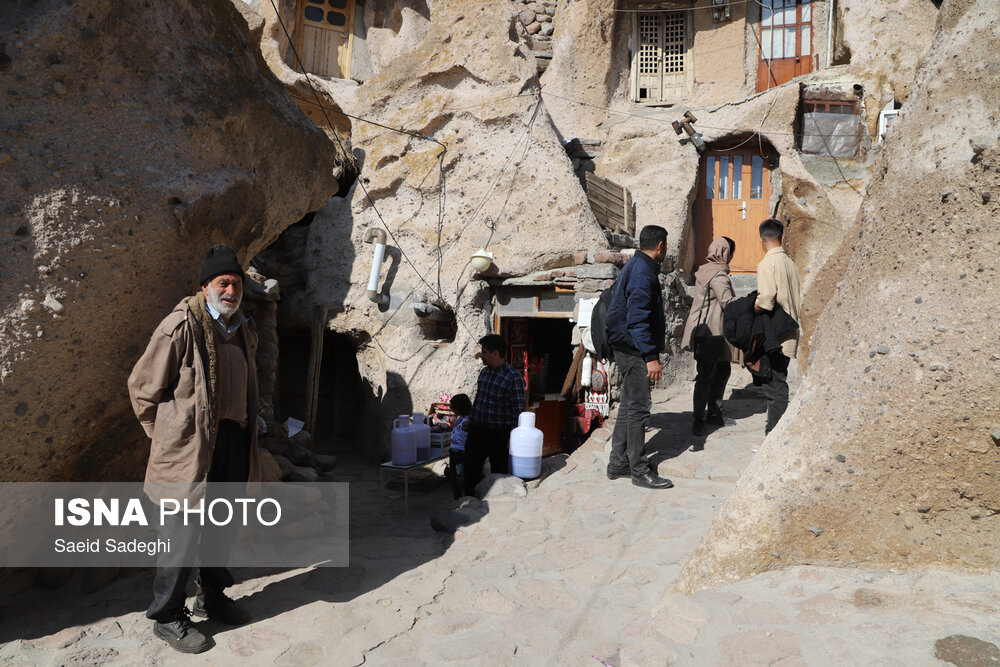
[{"x": 598, "y": 325}]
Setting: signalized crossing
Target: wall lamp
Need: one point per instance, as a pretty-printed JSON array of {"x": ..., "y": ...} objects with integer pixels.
[
  {"x": 482, "y": 260},
  {"x": 684, "y": 125}
]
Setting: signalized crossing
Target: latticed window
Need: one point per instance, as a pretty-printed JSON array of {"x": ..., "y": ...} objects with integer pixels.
[{"x": 661, "y": 67}]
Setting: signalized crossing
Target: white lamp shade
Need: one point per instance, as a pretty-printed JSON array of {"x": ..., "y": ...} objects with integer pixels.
[{"x": 481, "y": 260}]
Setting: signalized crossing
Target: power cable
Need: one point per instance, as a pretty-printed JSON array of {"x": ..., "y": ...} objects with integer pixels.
[
  {"x": 770, "y": 77},
  {"x": 513, "y": 179},
  {"x": 679, "y": 9},
  {"x": 668, "y": 122},
  {"x": 364, "y": 120},
  {"x": 525, "y": 138},
  {"x": 489, "y": 191},
  {"x": 360, "y": 180}
]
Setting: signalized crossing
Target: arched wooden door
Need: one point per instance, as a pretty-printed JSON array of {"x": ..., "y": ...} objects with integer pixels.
[{"x": 734, "y": 191}]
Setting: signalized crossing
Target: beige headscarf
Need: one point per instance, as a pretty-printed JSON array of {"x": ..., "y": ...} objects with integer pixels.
[{"x": 716, "y": 262}]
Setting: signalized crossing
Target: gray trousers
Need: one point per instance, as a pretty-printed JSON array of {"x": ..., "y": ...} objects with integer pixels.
[
  {"x": 628, "y": 442},
  {"x": 776, "y": 390}
]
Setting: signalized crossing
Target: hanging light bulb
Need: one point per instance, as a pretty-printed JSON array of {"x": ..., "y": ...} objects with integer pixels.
[{"x": 482, "y": 260}]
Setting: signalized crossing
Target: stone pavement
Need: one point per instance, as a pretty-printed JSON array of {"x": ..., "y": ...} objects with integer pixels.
[{"x": 576, "y": 570}]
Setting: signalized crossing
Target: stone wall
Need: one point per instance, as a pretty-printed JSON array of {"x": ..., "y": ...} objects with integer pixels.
[
  {"x": 465, "y": 76},
  {"x": 888, "y": 455},
  {"x": 126, "y": 153}
]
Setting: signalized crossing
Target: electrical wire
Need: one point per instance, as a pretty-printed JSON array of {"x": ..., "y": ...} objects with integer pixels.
[
  {"x": 513, "y": 179},
  {"x": 365, "y": 120},
  {"x": 525, "y": 139},
  {"x": 340, "y": 143},
  {"x": 668, "y": 122},
  {"x": 489, "y": 191},
  {"x": 680, "y": 9},
  {"x": 770, "y": 77}
]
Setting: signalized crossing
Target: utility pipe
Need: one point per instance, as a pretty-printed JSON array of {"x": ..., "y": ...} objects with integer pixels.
[
  {"x": 425, "y": 308},
  {"x": 378, "y": 235},
  {"x": 829, "y": 31}
]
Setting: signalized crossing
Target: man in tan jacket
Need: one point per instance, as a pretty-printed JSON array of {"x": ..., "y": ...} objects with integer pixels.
[
  {"x": 194, "y": 391},
  {"x": 777, "y": 283}
]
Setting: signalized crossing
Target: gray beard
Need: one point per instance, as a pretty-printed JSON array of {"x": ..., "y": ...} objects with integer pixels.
[{"x": 224, "y": 308}]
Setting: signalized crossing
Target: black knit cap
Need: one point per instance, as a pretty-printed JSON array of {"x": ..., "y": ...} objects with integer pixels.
[{"x": 219, "y": 260}]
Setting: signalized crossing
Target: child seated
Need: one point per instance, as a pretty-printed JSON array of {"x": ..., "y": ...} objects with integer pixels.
[{"x": 461, "y": 405}]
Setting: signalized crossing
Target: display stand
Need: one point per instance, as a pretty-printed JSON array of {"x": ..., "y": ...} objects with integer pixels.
[{"x": 391, "y": 468}]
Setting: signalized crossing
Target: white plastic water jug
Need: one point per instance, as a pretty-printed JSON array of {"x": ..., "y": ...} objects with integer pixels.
[
  {"x": 421, "y": 436},
  {"x": 526, "y": 447},
  {"x": 404, "y": 449}
]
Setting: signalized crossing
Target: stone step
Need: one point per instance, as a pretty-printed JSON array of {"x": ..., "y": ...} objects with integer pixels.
[{"x": 743, "y": 284}]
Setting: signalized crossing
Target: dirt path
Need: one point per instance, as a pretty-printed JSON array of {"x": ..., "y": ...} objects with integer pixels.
[{"x": 577, "y": 572}]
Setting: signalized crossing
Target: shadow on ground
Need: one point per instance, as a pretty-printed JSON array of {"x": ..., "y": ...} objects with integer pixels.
[
  {"x": 384, "y": 544},
  {"x": 674, "y": 433}
]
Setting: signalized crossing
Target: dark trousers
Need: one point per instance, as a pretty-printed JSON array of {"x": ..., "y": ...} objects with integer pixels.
[
  {"x": 456, "y": 471},
  {"x": 709, "y": 387},
  {"x": 628, "y": 442},
  {"x": 776, "y": 390},
  {"x": 483, "y": 442},
  {"x": 230, "y": 463}
]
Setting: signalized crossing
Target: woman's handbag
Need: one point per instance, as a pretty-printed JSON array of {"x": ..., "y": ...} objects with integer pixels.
[{"x": 706, "y": 345}]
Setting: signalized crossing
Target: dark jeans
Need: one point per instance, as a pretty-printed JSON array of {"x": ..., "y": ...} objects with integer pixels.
[
  {"x": 709, "y": 387},
  {"x": 230, "y": 463},
  {"x": 628, "y": 442},
  {"x": 456, "y": 470},
  {"x": 483, "y": 442},
  {"x": 776, "y": 390}
]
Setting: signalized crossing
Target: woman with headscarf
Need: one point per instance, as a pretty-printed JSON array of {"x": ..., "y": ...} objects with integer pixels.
[{"x": 713, "y": 290}]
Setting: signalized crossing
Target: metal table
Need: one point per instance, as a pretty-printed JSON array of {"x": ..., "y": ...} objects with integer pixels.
[{"x": 390, "y": 467}]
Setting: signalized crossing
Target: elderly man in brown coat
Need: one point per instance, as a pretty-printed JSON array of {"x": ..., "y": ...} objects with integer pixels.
[{"x": 194, "y": 391}]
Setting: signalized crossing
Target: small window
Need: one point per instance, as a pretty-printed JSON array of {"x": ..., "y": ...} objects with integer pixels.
[
  {"x": 756, "y": 177},
  {"x": 557, "y": 302},
  {"x": 710, "y": 177},
  {"x": 830, "y": 128},
  {"x": 723, "y": 177},
  {"x": 737, "y": 177},
  {"x": 888, "y": 114}
]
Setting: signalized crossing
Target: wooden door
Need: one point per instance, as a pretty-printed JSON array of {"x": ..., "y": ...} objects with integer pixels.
[
  {"x": 325, "y": 36},
  {"x": 661, "y": 60},
  {"x": 785, "y": 42},
  {"x": 734, "y": 191}
]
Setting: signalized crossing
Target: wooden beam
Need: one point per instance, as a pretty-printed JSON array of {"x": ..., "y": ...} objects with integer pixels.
[{"x": 315, "y": 366}]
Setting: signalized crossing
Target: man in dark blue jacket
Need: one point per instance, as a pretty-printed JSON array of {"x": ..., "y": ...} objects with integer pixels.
[{"x": 636, "y": 329}]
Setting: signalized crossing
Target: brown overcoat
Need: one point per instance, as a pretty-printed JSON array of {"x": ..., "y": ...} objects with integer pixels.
[
  {"x": 722, "y": 294},
  {"x": 171, "y": 392}
]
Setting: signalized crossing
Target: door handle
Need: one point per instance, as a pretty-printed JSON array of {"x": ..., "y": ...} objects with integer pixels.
[{"x": 743, "y": 209}]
